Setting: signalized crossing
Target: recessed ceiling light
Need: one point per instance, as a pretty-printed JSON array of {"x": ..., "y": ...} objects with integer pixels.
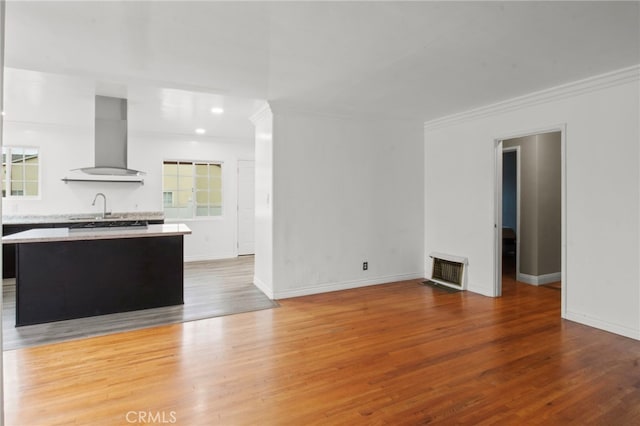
[
  {"x": 217, "y": 110},
  {"x": 201, "y": 131}
]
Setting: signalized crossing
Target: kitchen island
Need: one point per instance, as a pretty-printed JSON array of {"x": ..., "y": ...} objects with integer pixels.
[
  {"x": 12, "y": 224},
  {"x": 64, "y": 274}
]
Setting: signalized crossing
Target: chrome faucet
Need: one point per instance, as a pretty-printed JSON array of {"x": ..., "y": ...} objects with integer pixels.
[{"x": 104, "y": 209}]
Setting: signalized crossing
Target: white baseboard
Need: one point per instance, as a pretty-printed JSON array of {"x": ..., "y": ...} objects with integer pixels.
[
  {"x": 603, "y": 325},
  {"x": 480, "y": 290},
  {"x": 345, "y": 285},
  {"x": 539, "y": 279},
  {"x": 203, "y": 257},
  {"x": 267, "y": 290}
]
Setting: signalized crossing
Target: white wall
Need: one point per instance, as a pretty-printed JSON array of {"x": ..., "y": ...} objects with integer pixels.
[
  {"x": 345, "y": 191},
  {"x": 602, "y": 165},
  {"x": 263, "y": 230},
  {"x": 214, "y": 238},
  {"x": 56, "y": 114}
]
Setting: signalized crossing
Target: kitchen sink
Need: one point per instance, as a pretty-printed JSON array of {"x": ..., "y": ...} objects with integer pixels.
[{"x": 110, "y": 225}]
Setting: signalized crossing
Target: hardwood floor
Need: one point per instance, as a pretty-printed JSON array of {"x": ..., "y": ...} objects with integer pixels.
[
  {"x": 400, "y": 353},
  {"x": 211, "y": 289}
]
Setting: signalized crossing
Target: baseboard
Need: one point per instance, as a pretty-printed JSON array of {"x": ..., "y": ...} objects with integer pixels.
[
  {"x": 539, "y": 279},
  {"x": 603, "y": 325},
  {"x": 480, "y": 290},
  {"x": 267, "y": 290},
  {"x": 204, "y": 257},
  {"x": 346, "y": 285}
]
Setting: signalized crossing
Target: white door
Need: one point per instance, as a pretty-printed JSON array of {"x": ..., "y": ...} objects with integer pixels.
[{"x": 246, "y": 206}]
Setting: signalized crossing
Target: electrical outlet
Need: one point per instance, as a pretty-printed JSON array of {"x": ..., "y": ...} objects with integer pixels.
[{"x": 365, "y": 266}]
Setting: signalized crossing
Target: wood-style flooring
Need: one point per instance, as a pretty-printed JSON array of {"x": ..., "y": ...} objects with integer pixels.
[
  {"x": 399, "y": 354},
  {"x": 211, "y": 289}
]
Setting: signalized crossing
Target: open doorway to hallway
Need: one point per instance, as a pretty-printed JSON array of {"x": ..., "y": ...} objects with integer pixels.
[
  {"x": 530, "y": 222},
  {"x": 510, "y": 211}
]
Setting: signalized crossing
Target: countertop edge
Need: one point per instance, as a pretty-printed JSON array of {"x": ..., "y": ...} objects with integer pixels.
[{"x": 45, "y": 235}]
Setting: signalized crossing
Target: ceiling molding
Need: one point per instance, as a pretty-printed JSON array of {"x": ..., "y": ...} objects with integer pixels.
[{"x": 598, "y": 82}]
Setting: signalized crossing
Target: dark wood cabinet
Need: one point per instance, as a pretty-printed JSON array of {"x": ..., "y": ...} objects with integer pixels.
[
  {"x": 9, "y": 250},
  {"x": 62, "y": 280}
]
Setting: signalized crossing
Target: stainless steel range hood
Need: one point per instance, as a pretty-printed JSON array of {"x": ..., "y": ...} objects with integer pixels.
[{"x": 111, "y": 139}]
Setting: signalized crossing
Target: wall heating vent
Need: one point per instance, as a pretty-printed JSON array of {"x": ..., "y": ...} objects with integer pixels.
[{"x": 449, "y": 270}]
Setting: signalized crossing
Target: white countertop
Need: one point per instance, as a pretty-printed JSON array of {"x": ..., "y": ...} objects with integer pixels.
[{"x": 43, "y": 235}]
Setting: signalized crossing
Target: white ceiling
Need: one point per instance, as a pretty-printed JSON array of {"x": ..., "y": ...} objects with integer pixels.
[
  {"x": 402, "y": 59},
  {"x": 163, "y": 110}
]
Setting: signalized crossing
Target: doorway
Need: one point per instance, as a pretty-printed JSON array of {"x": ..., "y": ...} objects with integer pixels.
[
  {"x": 536, "y": 239},
  {"x": 510, "y": 211}
]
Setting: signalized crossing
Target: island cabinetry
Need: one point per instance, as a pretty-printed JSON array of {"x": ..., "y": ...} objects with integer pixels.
[
  {"x": 73, "y": 279},
  {"x": 9, "y": 251},
  {"x": 63, "y": 274}
]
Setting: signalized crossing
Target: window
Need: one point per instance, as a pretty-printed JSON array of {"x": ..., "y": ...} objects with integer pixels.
[
  {"x": 191, "y": 189},
  {"x": 20, "y": 172}
]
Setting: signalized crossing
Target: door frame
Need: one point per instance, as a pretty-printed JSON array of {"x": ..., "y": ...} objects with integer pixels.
[{"x": 498, "y": 150}]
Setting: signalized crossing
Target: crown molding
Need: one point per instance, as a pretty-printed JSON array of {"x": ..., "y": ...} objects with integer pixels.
[{"x": 598, "y": 82}]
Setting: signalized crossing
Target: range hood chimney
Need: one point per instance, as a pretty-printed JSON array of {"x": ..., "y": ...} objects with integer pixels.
[{"x": 111, "y": 139}]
